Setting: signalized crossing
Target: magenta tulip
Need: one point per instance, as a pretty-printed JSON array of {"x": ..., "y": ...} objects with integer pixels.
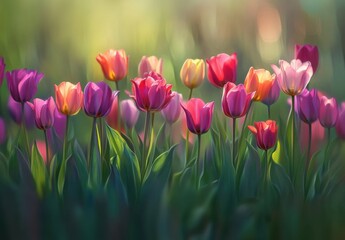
[
  {"x": 2, "y": 131},
  {"x": 308, "y": 53},
  {"x": 129, "y": 113},
  {"x": 15, "y": 111},
  {"x": 198, "y": 115},
  {"x": 222, "y": 69},
  {"x": 171, "y": 112},
  {"x": 265, "y": 133},
  {"x": 235, "y": 100},
  {"x": 293, "y": 77},
  {"x": 22, "y": 84},
  {"x": 307, "y": 105},
  {"x": 273, "y": 94},
  {"x": 328, "y": 113},
  {"x": 44, "y": 112},
  {"x": 98, "y": 98},
  {"x": 151, "y": 93},
  {"x": 2, "y": 70},
  {"x": 340, "y": 126}
]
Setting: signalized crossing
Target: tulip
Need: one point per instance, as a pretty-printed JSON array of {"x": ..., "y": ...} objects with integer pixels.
[
  {"x": 42, "y": 150},
  {"x": 171, "y": 112},
  {"x": 293, "y": 77},
  {"x": 199, "y": 115},
  {"x": 340, "y": 126},
  {"x": 2, "y": 131},
  {"x": 150, "y": 64},
  {"x": 69, "y": 98},
  {"x": 114, "y": 64},
  {"x": 112, "y": 117},
  {"x": 98, "y": 98},
  {"x": 2, "y": 70},
  {"x": 59, "y": 124},
  {"x": 259, "y": 81},
  {"x": 308, "y": 53},
  {"x": 236, "y": 100},
  {"x": 129, "y": 113},
  {"x": 273, "y": 93},
  {"x": 328, "y": 113},
  {"x": 44, "y": 112},
  {"x": 222, "y": 69},
  {"x": 22, "y": 84},
  {"x": 151, "y": 93},
  {"x": 15, "y": 111},
  {"x": 308, "y": 105},
  {"x": 192, "y": 73},
  {"x": 265, "y": 133}
]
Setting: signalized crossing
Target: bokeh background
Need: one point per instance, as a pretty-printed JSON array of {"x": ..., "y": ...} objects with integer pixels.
[{"x": 62, "y": 38}]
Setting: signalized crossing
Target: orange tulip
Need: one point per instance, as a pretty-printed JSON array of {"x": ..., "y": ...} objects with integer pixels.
[
  {"x": 68, "y": 98},
  {"x": 259, "y": 81},
  {"x": 114, "y": 64},
  {"x": 192, "y": 72}
]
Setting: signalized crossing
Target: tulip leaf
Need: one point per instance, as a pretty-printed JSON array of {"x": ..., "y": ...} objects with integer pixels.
[
  {"x": 95, "y": 176},
  {"x": 38, "y": 169},
  {"x": 80, "y": 161},
  {"x": 281, "y": 180}
]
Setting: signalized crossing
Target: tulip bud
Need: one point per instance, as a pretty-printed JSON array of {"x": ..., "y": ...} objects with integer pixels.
[
  {"x": 171, "y": 112},
  {"x": 308, "y": 53},
  {"x": 328, "y": 113},
  {"x": 69, "y": 98},
  {"x": 150, "y": 64},
  {"x": 193, "y": 73},
  {"x": 44, "y": 112},
  {"x": 265, "y": 133},
  {"x": 129, "y": 113},
  {"x": 273, "y": 93},
  {"x": 259, "y": 81},
  {"x": 114, "y": 64},
  {"x": 308, "y": 105}
]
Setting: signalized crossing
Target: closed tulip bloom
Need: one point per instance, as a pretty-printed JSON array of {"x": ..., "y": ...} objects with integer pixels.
[
  {"x": 15, "y": 111},
  {"x": 69, "y": 98},
  {"x": 59, "y": 124},
  {"x": 150, "y": 64},
  {"x": 98, "y": 98},
  {"x": 22, "y": 84},
  {"x": 328, "y": 114},
  {"x": 151, "y": 93},
  {"x": 308, "y": 105},
  {"x": 236, "y": 100},
  {"x": 259, "y": 81},
  {"x": 265, "y": 133},
  {"x": 2, "y": 70},
  {"x": 222, "y": 69},
  {"x": 114, "y": 64},
  {"x": 44, "y": 112},
  {"x": 172, "y": 111},
  {"x": 340, "y": 126},
  {"x": 273, "y": 93},
  {"x": 2, "y": 131},
  {"x": 293, "y": 77},
  {"x": 129, "y": 113},
  {"x": 192, "y": 73},
  {"x": 309, "y": 53},
  {"x": 198, "y": 115}
]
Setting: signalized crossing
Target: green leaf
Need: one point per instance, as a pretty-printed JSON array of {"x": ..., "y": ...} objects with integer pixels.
[
  {"x": 95, "y": 176},
  {"x": 80, "y": 162},
  {"x": 38, "y": 169},
  {"x": 281, "y": 180}
]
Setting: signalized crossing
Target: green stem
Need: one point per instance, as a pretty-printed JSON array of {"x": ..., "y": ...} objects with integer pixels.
[
  {"x": 293, "y": 134},
  {"x": 47, "y": 149},
  {"x": 93, "y": 132},
  {"x": 102, "y": 136},
  {"x": 198, "y": 162},
  {"x": 26, "y": 139},
  {"x": 307, "y": 163},
  {"x": 266, "y": 174},
  {"x": 146, "y": 130},
  {"x": 327, "y": 158},
  {"x": 190, "y": 94},
  {"x": 187, "y": 145},
  {"x": 269, "y": 111},
  {"x": 233, "y": 141},
  {"x": 65, "y": 141},
  {"x": 117, "y": 88}
]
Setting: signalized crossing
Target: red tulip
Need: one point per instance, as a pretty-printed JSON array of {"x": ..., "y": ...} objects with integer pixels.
[
  {"x": 308, "y": 53},
  {"x": 265, "y": 133},
  {"x": 198, "y": 115},
  {"x": 328, "y": 113},
  {"x": 235, "y": 100},
  {"x": 222, "y": 69},
  {"x": 114, "y": 64}
]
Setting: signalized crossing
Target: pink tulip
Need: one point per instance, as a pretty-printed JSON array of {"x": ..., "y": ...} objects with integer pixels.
[
  {"x": 308, "y": 53},
  {"x": 22, "y": 84},
  {"x": 235, "y": 100},
  {"x": 69, "y": 98},
  {"x": 293, "y": 77},
  {"x": 2, "y": 70},
  {"x": 151, "y": 93},
  {"x": 129, "y": 113},
  {"x": 171, "y": 112},
  {"x": 98, "y": 98},
  {"x": 44, "y": 112},
  {"x": 114, "y": 64},
  {"x": 15, "y": 110},
  {"x": 222, "y": 69},
  {"x": 150, "y": 64},
  {"x": 2, "y": 131},
  {"x": 340, "y": 126},
  {"x": 307, "y": 105},
  {"x": 273, "y": 94},
  {"x": 328, "y": 113},
  {"x": 265, "y": 133},
  {"x": 198, "y": 115}
]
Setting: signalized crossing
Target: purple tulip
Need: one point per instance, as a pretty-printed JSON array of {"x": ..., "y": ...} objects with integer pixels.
[
  {"x": 2, "y": 131},
  {"x": 129, "y": 112},
  {"x": 22, "y": 84},
  {"x": 44, "y": 112},
  {"x": 59, "y": 124},
  {"x": 98, "y": 98},
  {"x": 15, "y": 110},
  {"x": 328, "y": 114},
  {"x": 308, "y": 53},
  {"x": 172, "y": 111},
  {"x": 2, "y": 70},
  {"x": 340, "y": 126},
  {"x": 308, "y": 105}
]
